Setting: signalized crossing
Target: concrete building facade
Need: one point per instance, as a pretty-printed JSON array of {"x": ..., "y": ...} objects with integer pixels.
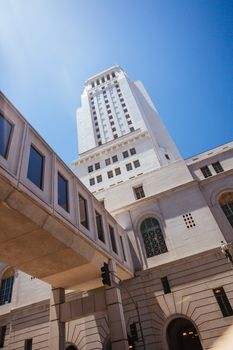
[{"x": 163, "y": 219}]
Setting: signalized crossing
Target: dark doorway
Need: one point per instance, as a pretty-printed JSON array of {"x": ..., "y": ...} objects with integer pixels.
[
  {"x": 182, "y": 335},
  {"x": 71, "y": 347}
]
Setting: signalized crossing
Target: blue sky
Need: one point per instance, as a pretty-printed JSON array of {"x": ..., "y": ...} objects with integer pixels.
[{"x": 181, "y": 50}]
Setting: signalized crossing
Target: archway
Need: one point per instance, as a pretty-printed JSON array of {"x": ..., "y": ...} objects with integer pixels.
[
  {"x": 182, "y": 335},
  {"x": 71, "y": 347}
]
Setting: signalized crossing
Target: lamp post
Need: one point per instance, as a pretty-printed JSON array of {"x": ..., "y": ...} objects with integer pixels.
[{"x": 226, "y": 249}]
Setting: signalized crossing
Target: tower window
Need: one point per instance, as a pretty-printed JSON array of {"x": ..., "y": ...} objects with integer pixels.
[
  {"x": 113, "y": 75},
  {"x": 110, "y": 174},
  {"x": 136, "y": 163},
  {"x": 62, "y": 188},
  {"x": 125, "y": 154},
  {"x": 121, "y": 99},
  {"x": 132, "y": 151},
  {"x": 108, "y": 161},
  {"x": 217, "y": 167},
  {"x": 83, "y": 211},
  {"x": 98, "y": 136},
  {"x": 109, "y": 111},
  {"x": 167, "y": 156},
  {"x": 132, "y": 128},
  {"x": 153, "y": 237},
  {"x": 115, "y": 136},
  {"x": 100, "y": 143},
  {"x": 123, "y": 104},
  {"x": 117, "y": 171},
  {"x": 129, "y": 167},
  {"x": 108, "y": 77},
  {"x": 92, "y": 181},
  {"x": 97, "y": 82},
  {"x": 99, "y": 225},
  {"x": 117, "y": 86},
  {"x": 129, "y": 122},
  {"x": 125, "y": 110},
  {"x": 99, "y": 178},
  {"x": 127, "y": 116},
  {"x": 114, "y": 159},
  {"x": 2, "y": 336},
  {"x": 35, "y": 167},
  {"x": 102, "y": 79},
  {"x": 110, "y": 117},
  {"x": 166, "y": 285},
  {"x": 93, "y": 84},
  {"x": 113, "y": 239},
  {"x": 113, "y": 129},
  {"x": 223, "y": 301},
  {"x": 206, "y": 171},
  {"x": 5, "y": 134},
  {"x": 107, "y": 106},
  {"x": 97, "y": 166},
  {"x": 139, "y": 192},
  {"x": 112, "y": 123}
]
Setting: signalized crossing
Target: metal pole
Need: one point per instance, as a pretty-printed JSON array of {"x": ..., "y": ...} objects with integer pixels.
[{"x": 136, "y": 307}]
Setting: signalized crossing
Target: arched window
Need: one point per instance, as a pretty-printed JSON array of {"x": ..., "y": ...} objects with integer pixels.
[
  {"x": 153, "y": 237},
  {"x": 226, "y": 202},
  {"x": 6, "y": 286}
]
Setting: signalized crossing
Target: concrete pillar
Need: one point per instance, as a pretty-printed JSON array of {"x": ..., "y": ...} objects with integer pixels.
[
  {"x": 57, "y": 328},
  {"x": 116, "y": 319}
]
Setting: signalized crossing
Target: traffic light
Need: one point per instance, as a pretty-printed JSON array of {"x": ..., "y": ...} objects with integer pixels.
[
  {"x": 105, "y": 273},
  {"x": 133, "y": 331},
  {"x": 131, "y": 343}
]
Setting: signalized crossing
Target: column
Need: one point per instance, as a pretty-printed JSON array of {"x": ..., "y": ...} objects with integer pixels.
[
  {"x": 116, "y": 319},
  {"x": 57, "y": 328}
]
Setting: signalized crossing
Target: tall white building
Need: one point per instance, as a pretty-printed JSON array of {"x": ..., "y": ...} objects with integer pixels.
[{"x": 119, "y": 126}]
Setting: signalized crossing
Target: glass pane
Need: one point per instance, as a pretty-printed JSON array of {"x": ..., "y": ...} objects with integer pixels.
[
  {"x": 153, "y": 237},
  {"x": 5, "y": 132},
  {"x": 122, "y": 247},
  {"x": 63, "y": 192},
  {"x": 99, "y": 225},
  {"x": 35, "y": 167},
  {"x": 6, "y": 290},
  {"x": 83, "y": 211},
  {"x": 113, "y": 240}
]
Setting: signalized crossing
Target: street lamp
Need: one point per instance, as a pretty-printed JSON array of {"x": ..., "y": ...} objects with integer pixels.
[{"x": 226, "y": 249}]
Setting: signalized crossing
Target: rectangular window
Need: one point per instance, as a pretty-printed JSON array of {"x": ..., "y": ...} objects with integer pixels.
[
  {"x": 97, "y": 82},
  {"x": 131, "y": 129},
  {"x": 28, "y": 344},
  {"x": 167, "y": 156},
  {"x": 117, "y": 171},
  {"x": 113, "y": 129},
  {"x": 122, "y": 247},
  {"x": 108, "y": 77},
  {"x": 115, "y": 136},
  {"x": 139, "y": 192},
  {"x": 113, "y": 239},
  {"x": 35, "y": 167},
  {"x": 6, "y": 290},
  {"x": 5, "y": 133},
  {"x": 108, "y": 161},
  {"x": 217, "y": 167},
  {"x": 127, "y": 116},
  {"x": 166, "y": 285},
  {"x": 223, "y": 301},
  {"x": 129, "y": 167},
  {"x": 113, "y": 75},
  {"x": 83, "y": 211},
  {"x": 125, "y": 154},
  {"x": 132, "y": 151},
  {"x": 62, "y": 189},
  {"x": 129, "y": 122},
  {"x": 110, "y": 174},
  {"x": 99, "y": 225},
  {"x": 136, "y": 163},
  {"x": 125, "y": 110},
  {"x": 99, "y": 178},
  {"x": 97, "y": 166},
  {"x": 2, "y": 336},
  {"x": 115, "y": 159},
  {"x": 206, "y": 171},
  {"x": 112, "y": 123},
  {"x": 93, "y": 85},
  {"x": 92, "y": 181}
]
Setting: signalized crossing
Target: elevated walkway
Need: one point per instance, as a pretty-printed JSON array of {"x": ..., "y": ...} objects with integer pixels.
[{"x": 45, "y": 230}]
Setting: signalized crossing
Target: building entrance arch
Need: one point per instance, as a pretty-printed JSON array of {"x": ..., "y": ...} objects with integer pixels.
[{"x": 182, "y": 335}]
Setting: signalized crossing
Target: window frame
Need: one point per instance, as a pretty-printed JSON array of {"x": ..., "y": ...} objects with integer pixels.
[
  {"x": 7, "y": 147},
  {"x": 67, "y": 206},
  {"x": 42, "y": 170},
  {"x": 100, "y": 227}
]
